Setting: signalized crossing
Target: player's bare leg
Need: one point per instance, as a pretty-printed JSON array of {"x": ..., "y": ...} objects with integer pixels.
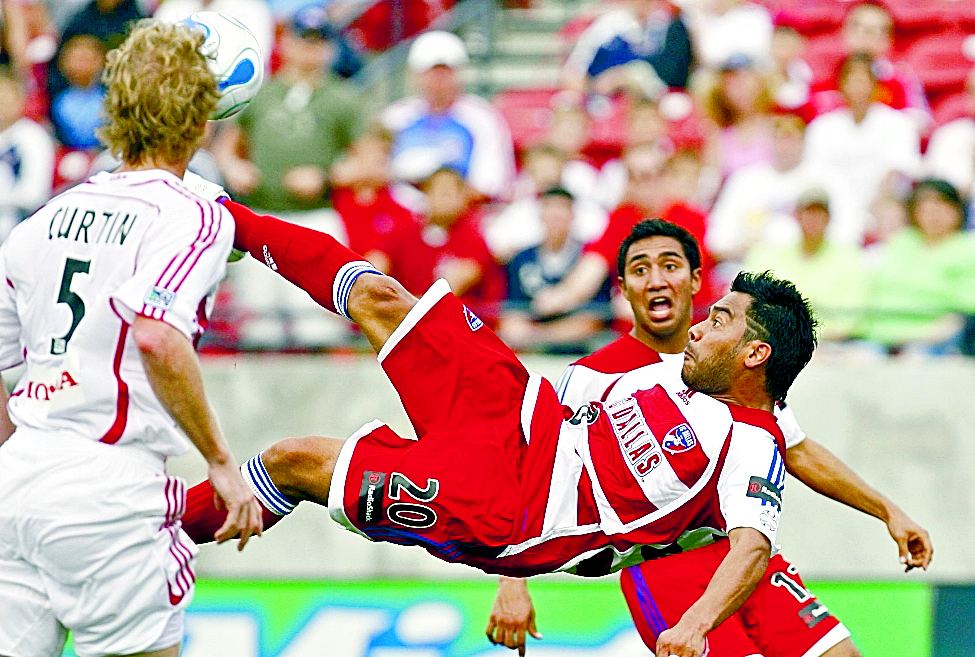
[
  {"x": 378, "y": 304},
  {"x": 301, "y": 468}
]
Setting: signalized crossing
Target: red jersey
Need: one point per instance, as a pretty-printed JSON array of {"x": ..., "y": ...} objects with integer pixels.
[
  {"x": 368, "y": 225},
  {"x": 417, "y": 251}
]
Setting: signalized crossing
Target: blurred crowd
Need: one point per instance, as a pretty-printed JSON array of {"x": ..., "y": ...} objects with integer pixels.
[{"x": 830, "y": 141}]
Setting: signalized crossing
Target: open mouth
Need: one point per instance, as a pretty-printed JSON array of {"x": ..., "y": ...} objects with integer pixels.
[{"x": 660, "y": 308}]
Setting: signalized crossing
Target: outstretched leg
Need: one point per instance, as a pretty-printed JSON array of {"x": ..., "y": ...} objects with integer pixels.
[
  {"x": 290, "y": 471},
  {"x": 336, "y": 277}
]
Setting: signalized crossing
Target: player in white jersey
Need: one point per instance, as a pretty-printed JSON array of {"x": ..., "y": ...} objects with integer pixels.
[
  {"x": 658, "y": 264},
  {"x": 103, "y": 292}
]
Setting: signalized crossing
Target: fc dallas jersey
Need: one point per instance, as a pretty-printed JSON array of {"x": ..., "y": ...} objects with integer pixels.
[
  {"x": 72, "y": 279},
  {"x": 600, "y": 375}
]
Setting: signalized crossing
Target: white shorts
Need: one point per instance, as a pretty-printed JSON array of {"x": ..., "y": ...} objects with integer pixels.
[{"x": 90, "y": 542}]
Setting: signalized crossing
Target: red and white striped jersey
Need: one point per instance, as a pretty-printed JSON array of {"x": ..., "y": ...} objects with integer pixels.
[
  {"x": 601, "y": 374},
  {"x": 74, "y": 276}
]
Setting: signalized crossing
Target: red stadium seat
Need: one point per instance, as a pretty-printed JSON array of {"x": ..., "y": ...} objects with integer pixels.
[
  {"x": 940, "y": 62},
  {"x": 528, "y": 113},
  {"x": 824, "y": 54},
  {"x": 953, "y": 106},
  {"x": 811, "y": 18}
]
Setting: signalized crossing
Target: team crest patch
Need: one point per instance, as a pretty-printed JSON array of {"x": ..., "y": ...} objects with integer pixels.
[
  {"x": 679, "y": 439},
  {"x": 472, "y": 320},
  {"x": 159, "y": 297},
  {"x": 371, "y": 497}
]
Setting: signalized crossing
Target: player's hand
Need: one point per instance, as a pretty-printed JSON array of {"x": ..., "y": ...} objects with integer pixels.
[
  {"x": 913, "y": 541},
  {"x": 512, "y": 615},
  {"x": 679, "y": 641},
  {"x": 231, "y": 492}
]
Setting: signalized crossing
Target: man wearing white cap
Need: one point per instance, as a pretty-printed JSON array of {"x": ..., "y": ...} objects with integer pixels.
[{"x": 441, "y": 126}]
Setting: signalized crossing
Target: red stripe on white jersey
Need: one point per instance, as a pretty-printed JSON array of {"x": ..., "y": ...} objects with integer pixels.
[
  {"x": 122, "y": 397},
  {"x": 664, "y": 418}
]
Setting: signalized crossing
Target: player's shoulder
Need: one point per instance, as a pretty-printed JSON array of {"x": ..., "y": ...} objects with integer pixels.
[
  {"x": 755, "y": 421},
  {"x": 624, "y": 354}
]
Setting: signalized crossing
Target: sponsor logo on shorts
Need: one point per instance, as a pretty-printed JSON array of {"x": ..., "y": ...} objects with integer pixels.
[
  {"x": 159, "y": 297},
  {"x": 472, "y": 320},
  {"x": 371, "y": 497},
  {"x": 813, "y": 613},
  {"x": 764, "y": 489},
  {"x": 679, "y": 439}
]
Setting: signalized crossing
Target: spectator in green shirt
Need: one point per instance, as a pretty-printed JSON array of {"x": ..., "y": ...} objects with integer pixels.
[{"x": 924, "y": 284}]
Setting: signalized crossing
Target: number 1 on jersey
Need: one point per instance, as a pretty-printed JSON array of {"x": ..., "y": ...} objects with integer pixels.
[{"x": 75, "y": 303}]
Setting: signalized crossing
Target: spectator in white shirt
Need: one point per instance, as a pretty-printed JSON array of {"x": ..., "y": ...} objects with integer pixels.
[
  {"x": 951, "y": 151},
  {"x": 864, "y": 144},
  {"x": 444, "y": 127}
]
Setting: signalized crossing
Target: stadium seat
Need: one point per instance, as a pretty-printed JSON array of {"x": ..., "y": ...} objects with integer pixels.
[
  {"x": 527, "y": 111},
  {"x": 811, "y": 19},
  {"x": 385, "y": 23},
  {"x": 824, "y": 54},
  {"x": 951, "y": 107},
  {"x": 940, "y": 62}
]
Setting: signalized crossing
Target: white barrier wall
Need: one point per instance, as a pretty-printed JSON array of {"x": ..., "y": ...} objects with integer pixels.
[{"x": 907, "y": 427}]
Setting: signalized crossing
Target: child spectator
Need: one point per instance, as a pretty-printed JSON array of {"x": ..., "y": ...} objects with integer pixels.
[
  {"x": 76, "y": 112},
  {"x": 26, "y": 157},
  {"x": 543, "y": 264},
  {"x": 738, "y": 105},
  {"x": 445, "y": 242},
  {"x": 519, "y": 225},
  {"x": 831, "y": 275},
  {"x": 362, "y": 196},
  {"x": 925, "y": 280}
]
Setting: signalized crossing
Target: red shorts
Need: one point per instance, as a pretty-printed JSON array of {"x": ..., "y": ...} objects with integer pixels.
[
  {"x": 781, "y": 618},
  {"x": 475, "y": 480}
]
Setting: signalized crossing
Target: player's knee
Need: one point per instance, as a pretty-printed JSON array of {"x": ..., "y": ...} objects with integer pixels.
[
  {"x": 382, "y": 297},
  {"x": 297, "y": 466}
]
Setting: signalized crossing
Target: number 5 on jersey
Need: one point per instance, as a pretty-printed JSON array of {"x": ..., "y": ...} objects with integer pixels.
[{"x": 75, "y": 303}]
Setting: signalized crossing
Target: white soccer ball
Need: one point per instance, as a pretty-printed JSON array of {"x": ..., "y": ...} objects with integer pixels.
[{"x": 234, "y": 56}]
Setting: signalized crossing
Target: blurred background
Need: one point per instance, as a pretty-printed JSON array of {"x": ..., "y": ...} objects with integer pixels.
[{"x": 507, "y": 146}]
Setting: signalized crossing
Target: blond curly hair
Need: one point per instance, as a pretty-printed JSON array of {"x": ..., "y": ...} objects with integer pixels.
[{"x": 159, "y": 96}]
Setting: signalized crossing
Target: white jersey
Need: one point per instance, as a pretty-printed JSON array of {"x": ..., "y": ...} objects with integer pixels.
[
  {"x": 75, "y": 275},
  {"x": 600, "y": 376}
]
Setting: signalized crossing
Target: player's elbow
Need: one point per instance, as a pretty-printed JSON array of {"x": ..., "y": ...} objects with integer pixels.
[{"x": 152, "y": 336}]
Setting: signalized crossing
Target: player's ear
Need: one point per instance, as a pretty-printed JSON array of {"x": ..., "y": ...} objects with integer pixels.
[
  {"x": 697, "y": 280},
  {"x": 757, "y": 353}
]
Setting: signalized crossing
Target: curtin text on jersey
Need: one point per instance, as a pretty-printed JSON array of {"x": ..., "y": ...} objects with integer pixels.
[{"x": 90, "y": 226}]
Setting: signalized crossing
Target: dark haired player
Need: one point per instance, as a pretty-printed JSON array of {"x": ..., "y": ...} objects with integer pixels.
[
  {"x": 494, "y": 479},
  {"x": 658, "y": 265}
]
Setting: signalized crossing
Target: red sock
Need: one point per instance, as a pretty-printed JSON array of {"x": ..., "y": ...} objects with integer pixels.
[
  {"x": 202, "y": 518},
  {"x": 308, "y": 258}
]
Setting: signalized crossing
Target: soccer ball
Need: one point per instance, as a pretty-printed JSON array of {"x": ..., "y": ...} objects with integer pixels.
[{"x": 234, "y": 57}]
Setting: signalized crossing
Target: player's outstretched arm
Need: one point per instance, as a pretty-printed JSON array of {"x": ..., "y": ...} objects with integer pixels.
[
  {"x": 512, "y": 615},
  {"x": 733, "y": 581},
  {"x": 174, "y": 373},
  {"x": 821, "y": 470}
]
